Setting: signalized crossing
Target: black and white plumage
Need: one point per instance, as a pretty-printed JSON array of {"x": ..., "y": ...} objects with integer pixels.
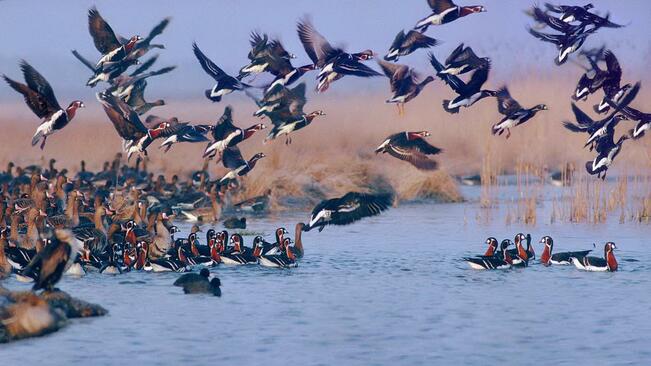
[
  {"x": 333, "y": 62},
  {"x": 19, "y": 257},
  {"x": 226, "y": 84},
  {"x": 582, "y": 14},
  {"x": 107, "y": 72},
  {"x": 225, "y": 134},
  {"x": 613, "y": 90},
  {"x": 566, "y": 43},
  {"x": 501, "y": 260},
  {"x": 266, "y": 55},
  {"x": 39, "y": 97},
  {"x": 144, "y": 45},
  {"x": 234, "y": 161},
  {"x": 189, "y": 133},
  {"x": 411, "y": 147},
  {"x": 600, "y": 128},
  {"x": 595, "y": 78},
  {"x": 462, "y": 60},
  {"x": 353, "y": 206},
  {"x": 607, "y": 151},
  {"x": 47, "y": 267},
  {"x": 548, "y": 256},
  {"x": 285, "y": 259},
  {"x": 514, "y": 113},
  {"x": 137, "y": 137},
  {"x": 405, "y": 44},
  {"x": 595, "y": 264},
  {"x": 643, "y": 121},
  {"x": 468, "y": 94},
  {"x": 114, "y": 49},
  {"x": 405, "y": 83},
  {"x": 445, "y": 11},
  {"x": 282, "y": 101},
  {"x": 287, "y": 125}
]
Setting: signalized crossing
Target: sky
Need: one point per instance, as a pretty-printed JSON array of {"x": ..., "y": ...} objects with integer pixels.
[{"x": 44, "y": 32}]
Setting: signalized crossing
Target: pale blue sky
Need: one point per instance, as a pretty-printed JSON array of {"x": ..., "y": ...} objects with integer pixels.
[{"x": 44, "y": 32}]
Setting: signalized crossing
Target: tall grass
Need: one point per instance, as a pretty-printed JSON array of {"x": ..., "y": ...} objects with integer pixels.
[{"x": 335, "y": 153}]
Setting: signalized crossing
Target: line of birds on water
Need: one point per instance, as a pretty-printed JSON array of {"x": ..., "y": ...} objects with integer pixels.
[
  {"x": 54, "y": 232},
  {"x": 499, "y": 256}
]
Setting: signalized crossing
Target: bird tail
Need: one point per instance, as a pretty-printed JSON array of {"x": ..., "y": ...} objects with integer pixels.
[
  {"x": 446, "y": 103},
  {"x": 572, "y": 127},
  {"x": 37, "y": 137},
  {"x": 496, "y": 130}
]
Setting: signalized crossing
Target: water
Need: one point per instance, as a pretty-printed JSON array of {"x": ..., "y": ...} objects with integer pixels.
[{"x": 390, "y": 290}]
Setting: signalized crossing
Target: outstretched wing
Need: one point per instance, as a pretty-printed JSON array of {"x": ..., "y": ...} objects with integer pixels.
[
  {"x": 103, "y": 36},
  {"x": 413, "y": 156},
  {"x": 37, "y": 82},
  {"x": 552, "y": 38},
  {"x": 157, "y": 30},
  {"x": 232, "y": 158},
  {"x": 208, "y": 66},
  {"x": 315, "y": 45},
  {"x": 438, "y": 6},
  {"x": 505, "y": 103}
]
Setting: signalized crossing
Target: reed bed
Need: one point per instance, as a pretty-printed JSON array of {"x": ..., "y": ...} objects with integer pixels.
[{"x": 335, "y": 153}]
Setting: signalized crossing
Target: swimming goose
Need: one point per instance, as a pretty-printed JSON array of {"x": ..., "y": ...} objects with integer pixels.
[
  {"x": 563, "y": 258},
  {"x": 411, "y": 147},
  {"x": 595, "y": 264},
  {"x": 39, "y": 97},
  {"x": 352, "y": 207},
  {"x": 502, "y": 260}
]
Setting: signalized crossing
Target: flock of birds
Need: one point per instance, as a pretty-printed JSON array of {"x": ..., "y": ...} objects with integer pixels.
[
  {"x": 46, "y": 218},
  {"x": 499, "y": 256}
]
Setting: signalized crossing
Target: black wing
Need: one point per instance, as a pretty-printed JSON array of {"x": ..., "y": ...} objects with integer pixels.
[
  {"x": 232, "y": 158},
  {"x": 505, "y": 103},
  {"x": 84, "y": 61},
  {"x": 552, "y": 38},
  {"x": 316, "y": 46},
  {"x": 37, "y": 82},
  {"x": 453, "y": 81},
  {"x": 224, "y": 125},
  {"x": 438, "y": 6},
  {"x": 103, "y": 36},
  {"x": 479, "y": 77},
  {"x": 581, "y": 117},
  {"x": 612, "y": 65},
  {"x": 145, "y": 65},
  {"x": 157, "y": 30},
  {"x": 350, "y": 208},
  {"x": 208, "y": 66}
]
